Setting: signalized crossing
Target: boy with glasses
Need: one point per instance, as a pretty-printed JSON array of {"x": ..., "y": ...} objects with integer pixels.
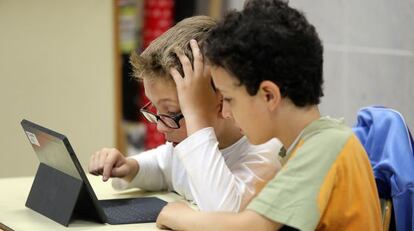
[
  {"x": 206, "y": 158},
  {"x": 171, "y": 121},
  {"x": 266, "y": 61}
]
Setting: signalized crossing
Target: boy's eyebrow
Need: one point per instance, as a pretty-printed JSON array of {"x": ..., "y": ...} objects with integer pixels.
[
  {"x": 164, "y": 100},
  {"x": 219, "y": 89}
]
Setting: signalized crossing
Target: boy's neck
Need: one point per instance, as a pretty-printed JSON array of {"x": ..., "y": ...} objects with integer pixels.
[{"x": 293, "y": 121}]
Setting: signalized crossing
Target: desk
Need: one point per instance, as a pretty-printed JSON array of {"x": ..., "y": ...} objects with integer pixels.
[{"x": 13, "y": 213}]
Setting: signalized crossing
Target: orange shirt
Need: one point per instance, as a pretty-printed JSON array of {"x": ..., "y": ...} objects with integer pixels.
[{"x": 326, "y": 183}]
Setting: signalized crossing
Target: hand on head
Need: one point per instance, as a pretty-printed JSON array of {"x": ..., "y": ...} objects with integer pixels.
[{"x": 200, "y": 104}]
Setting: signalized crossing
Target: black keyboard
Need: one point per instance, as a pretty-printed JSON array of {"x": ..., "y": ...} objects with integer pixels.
[{"x": 132, "y": 210}]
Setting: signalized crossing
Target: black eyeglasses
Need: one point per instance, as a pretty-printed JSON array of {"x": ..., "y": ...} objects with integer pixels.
[{"x": 170, "y": 121}]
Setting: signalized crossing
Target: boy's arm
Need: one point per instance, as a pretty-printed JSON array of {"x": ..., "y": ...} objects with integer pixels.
[
  {"x": 178, "y": 216},
  {"x": 199, "y": 103},
  {"x": 213, "y": 185},
  {"x": 219, "y": 185}
]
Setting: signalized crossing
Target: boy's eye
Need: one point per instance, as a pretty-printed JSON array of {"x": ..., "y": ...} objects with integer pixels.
[
  {"x": 228, "y": 100},
  {"x": 170, "y": 112},
  {"x": 173, "y": 113}
]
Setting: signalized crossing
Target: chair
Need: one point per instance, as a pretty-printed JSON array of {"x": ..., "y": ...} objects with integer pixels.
[
  {"x": 389, "y": 144},
  {"x": 386, "y": 210}
]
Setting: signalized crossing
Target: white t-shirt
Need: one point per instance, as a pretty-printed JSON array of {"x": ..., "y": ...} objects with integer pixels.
[{"x": 216, "y": 180}]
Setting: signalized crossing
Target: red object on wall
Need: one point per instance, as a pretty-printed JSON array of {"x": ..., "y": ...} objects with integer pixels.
[{"x": 158, "y": 18}]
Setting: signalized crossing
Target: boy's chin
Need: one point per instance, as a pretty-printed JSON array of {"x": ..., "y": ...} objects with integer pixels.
[{"x": 174, "y": 143}]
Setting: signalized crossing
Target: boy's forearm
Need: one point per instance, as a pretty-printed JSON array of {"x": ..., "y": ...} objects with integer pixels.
[
  {"x": 195, "y": 123},
  {"x": 217, "y": 221},
  {"x": 134, "y": 166},
  {"x": 199, "y": 154}
]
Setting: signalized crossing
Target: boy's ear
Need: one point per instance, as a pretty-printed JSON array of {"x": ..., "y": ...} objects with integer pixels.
[{"x": 270, "y": 92}]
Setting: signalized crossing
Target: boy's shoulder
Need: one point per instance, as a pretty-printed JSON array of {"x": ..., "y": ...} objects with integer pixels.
[
  {"x": 326, "y": 133},
  {"x": 327, "y": 128}
]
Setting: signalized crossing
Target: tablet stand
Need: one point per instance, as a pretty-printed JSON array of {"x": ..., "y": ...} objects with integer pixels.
[{"x": 54, "y": 194}]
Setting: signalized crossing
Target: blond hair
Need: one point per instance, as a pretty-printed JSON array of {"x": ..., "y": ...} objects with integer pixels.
[{"x": 156, "y": 60}]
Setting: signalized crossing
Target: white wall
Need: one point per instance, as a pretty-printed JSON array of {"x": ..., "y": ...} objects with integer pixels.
[
  {"x": 57, "y": 69},
  {"x": 369, "y": 53}
]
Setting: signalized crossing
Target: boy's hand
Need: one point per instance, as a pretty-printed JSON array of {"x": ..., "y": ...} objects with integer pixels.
[
  {"x": 199, "y": 103},
  {"x": 175, "y": 216},
  {"x": 109, "y": 162}
]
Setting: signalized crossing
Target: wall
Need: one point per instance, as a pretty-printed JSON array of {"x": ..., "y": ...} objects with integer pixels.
[
  {"x": 369, "y": 53},
  {"x": 57, "y": 69}
]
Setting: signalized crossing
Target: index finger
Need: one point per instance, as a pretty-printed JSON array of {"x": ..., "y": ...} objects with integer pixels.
[
  {"x": 185, "y": 63},
  {"x": 198, "y": 57},
  {"x": 176, "y": 76},
  {"x": 108, "y": 166}
]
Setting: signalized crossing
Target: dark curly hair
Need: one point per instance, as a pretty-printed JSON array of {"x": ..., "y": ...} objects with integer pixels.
[{"x": 268, "y": 40}]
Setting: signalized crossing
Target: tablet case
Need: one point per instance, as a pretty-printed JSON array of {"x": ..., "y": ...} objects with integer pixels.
[{"x": 59, "y": 196}]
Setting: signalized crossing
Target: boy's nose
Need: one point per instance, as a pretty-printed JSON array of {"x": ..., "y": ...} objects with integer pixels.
[
  {"x": 226, "y": 112},
  {"x": 161, "y": 127}
]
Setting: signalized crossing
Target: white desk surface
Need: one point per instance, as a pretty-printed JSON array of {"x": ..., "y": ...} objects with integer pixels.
[{"x": 14, "y": 214}]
